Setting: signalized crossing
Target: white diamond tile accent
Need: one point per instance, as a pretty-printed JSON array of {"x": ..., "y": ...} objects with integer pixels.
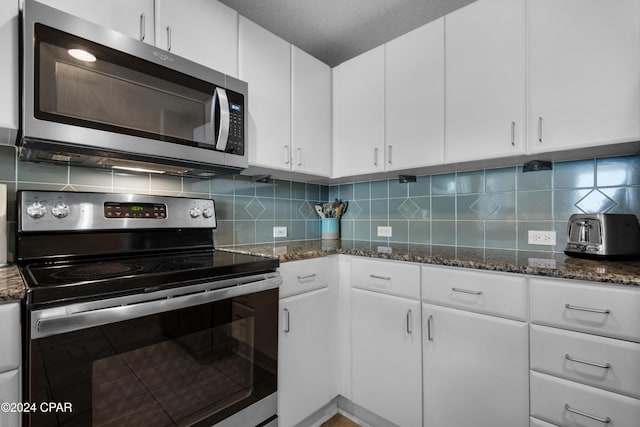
[
  {"x": 595, "y": 202},
  {"x": 255, "y": 208},
  {"x": 484, "y": 206}
]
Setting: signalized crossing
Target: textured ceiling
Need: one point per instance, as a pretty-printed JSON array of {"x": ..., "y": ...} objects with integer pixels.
[{"x": 337, "y": 30}]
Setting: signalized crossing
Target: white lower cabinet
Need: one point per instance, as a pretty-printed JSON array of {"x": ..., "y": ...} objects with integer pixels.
[
  {"x": 475, "y": 369},
  {"x": 10, "y": 393},
  {"x": 305, "y": 340},
  {"x": 386, "y": 356},
  {"x": 9, "y": 361}
]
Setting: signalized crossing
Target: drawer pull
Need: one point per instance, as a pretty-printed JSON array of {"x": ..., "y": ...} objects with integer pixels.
[
  {"x": 409, "y": 322},
  {"x": 287, "y": 319},
  {"x": 373, "y": 276},
  {"x": 590, "y": 310},
  {"x": 466, "y": 291},
  {"x": 308, "y": 276},
  {"x": 606, "y": 420},
  {"x": 586, "y": 362},
  {"x": 429, "y": 327}
]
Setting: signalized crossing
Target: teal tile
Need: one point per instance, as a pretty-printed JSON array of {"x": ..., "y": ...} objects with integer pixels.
[
  {"x": 379, "y": 209},
  {"x": 470, "y": 233},
  {"x": 399, "y": 231},
  {"x": 244, "y": 186},
  {"x": 334, "y": 193},
  {"x": 347, "y": 229},
  {"x": 346, "y": 192},
  {"x": 618, "y": 171},
  {"x": 464, "y": 203},
  {"x": 264, "y": 231},
  {"x": 11, "y": 201},
  {"x": 499, "y": 180},
  {"x": 443, "y": 208},
  {"x": 302, "y": 209},
  {"x": 324, "y": 193},
  {"x": 443, "y": 184},
  {"x": 422, "y": 187},
  {"x": 396, "y": 189},
  {"x": 443, "y": 233},
  {"x": 224, "y": 207},
  {"x": 313, "y": 229},
  {"x": 223, "y": 234},
  {"x": 537, "y": 180},
  {"x": 470, "y": 182},
  {"x": 380, "y": 189},
  {"x": 627, "y": 199},
  {"x": 298, "y": 230},
  {"x": 131, "y": 182},
  {"x": 362, "y": 230},
  {"x": 358, "y": 209},
  {"x": 269, "y": 208},
  {"x": 424, "y": 208},
  {"x": 7, "y": 163},
  {"x": 165, "y": 185},
  {"x": 361, "y": 191},
  {"x": 282, "y": 208},
  {"x": 420, "y": 232},
  {"x": 561, "y": 235},
  {"x": 564, "y": 203},
  {"x": 313, "y": 192},
  {"x": 90, "y": 177},
  {"x": 244, "y": 232},
  {"x": 298, "y": 190},
  {"x": 534, "y": 205},
  {"x": 282, "y": 189},
  {"x": 195, "y": 186},
  {"x": 501, "y": 234},
  {"x": 45, "y": 173},
  {"x": 265, "y": 189},
  {"x": 244, "y": 207},
  {"x": 222, "y": 185},
  {"x": 398, "y": 209},
  {"x": 506, "y": 206},
  {"x": 578, "y": 174}
]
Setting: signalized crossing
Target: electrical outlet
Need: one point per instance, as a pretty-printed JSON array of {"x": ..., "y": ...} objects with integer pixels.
[
  {"x": 279, "y": 231},
  {"x": 538, "y": 237},
  {"x": 384, "y": 231}
]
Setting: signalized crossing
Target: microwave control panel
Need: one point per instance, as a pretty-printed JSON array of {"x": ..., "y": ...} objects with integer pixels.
[{"x": 235, "y": 143}]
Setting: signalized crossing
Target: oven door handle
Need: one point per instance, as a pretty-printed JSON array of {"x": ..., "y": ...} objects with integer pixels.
[{"x": 71, "y": 318}]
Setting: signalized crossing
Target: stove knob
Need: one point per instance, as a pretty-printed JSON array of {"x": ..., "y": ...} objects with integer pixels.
[
  {"x": 207, "y": 212},
  {"x": 60, "y": 210},
  {"x": 195, "y": 212},
  {"x": 36, "y": 210}
]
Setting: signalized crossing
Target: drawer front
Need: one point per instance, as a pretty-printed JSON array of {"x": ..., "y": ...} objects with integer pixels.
[
  {"x": 565, "y": 402},
  {"x": 387, "y": 277},
  {"x": 534, "y": 422},
  {"x": 602, "y": 362},
  {"x": 303, "y": 276},
  {"x": 9, "y": 336},
  {"x": 607, "y": 310},
  {"x": 490, "y": 293}
]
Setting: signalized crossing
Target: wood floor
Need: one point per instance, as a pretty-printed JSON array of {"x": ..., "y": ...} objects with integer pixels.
[{"x": 339, "y": 421}]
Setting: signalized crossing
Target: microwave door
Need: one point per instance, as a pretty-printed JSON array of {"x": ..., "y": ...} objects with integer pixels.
[{"x": 220, "y": 111}]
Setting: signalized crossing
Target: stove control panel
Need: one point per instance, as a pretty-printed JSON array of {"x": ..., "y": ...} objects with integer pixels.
[{"x": 60, "y": 210}]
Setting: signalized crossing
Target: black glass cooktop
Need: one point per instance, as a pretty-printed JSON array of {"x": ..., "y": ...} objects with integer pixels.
[{"x": 85, "y": 279}]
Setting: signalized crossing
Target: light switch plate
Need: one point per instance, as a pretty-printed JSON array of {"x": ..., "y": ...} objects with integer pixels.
[
  {"x": 279, "y": 231},
  {"x": 384, "y": 231}
]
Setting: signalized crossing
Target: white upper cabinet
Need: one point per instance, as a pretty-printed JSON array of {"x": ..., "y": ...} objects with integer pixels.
[
  {"x": 131, "y": 17},
  {"x": 9, "y": 71},
  {"x": 204, "y": 31},
  {"x": 485, "y": 80},
  {"x": 311, "y": 114},
  {"x": 414, "y": 101},
  {"x": 584, "y": 73},
  {"x": 265, "y": 64},
  {"x": 358, "y": 114}
]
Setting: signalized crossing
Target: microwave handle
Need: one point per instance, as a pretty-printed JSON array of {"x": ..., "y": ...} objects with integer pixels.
[{"x": 220, "y": 100}]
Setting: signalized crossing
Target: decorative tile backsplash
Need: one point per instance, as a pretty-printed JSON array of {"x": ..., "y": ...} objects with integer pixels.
[{"x": 491, "y": 208}]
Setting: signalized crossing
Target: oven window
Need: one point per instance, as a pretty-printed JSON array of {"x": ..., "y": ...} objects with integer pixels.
[{"x": 192, "y": 366}]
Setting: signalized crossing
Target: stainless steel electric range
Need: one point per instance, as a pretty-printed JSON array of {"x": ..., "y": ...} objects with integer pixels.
[{"x": 135, "y": 318}]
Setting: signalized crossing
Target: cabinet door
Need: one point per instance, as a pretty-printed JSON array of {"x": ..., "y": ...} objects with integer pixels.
[
  {"x": 265, "y": 63},
  {"x": 304, "y": 356},
  {"x": 485, "y": 80},
  {"x": 9, "y": 336},
  {"x": 131, "y": 17},
  {"x": 310, "y": 114},
  {"x": 358, "y": 115},
  {"x": 9, "y": 71},
  {"x": 10, "y": 393},
  {"x": 386, "y": 356},
  {"x": 476, "y": 369},
  {"x": 414, "y": 76},
  {"x": 584, "y": 73},
  {"x": 204, "y": 31}
]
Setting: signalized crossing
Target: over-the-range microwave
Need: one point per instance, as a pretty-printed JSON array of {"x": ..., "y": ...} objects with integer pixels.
[{"x": 92, "y": 96}]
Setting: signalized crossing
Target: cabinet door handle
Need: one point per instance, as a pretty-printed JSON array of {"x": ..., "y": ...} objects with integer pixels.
[
  {"x": 605, "y": 420},
  {"x": 466, "y": 291},
  {"x": 308, "y": 276},
  {"x": 513, "y": 134},
  {"x": 374, "y": 276},
  {"x": 375, "y": 156},
  {"x": 430, "y": 328},
  {"x": 540, "y": 130},
  {"x": 298, "y": 156},
  {"x": 590, "y": 310},
  {"x": 169, "y": 38},
  {"x": 286, "y": 155},
  {"x": 586, "y": 362},
  {"x": 409, "y": 322},
  {"x": 143, "y": 27},
  {"x": 390, "y": 154},
  {"x": 287, "y": 321}
]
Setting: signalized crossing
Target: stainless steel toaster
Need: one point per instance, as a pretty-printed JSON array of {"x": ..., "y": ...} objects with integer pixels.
[{"x": 603, "y": 236}]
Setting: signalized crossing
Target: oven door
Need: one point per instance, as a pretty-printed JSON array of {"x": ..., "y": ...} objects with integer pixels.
[{"x": 187, "y": 356}]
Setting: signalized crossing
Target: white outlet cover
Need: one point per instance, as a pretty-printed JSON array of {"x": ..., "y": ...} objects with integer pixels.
[
  {"x": 279, "y": 231},
  {"x": 541, "y": 237},
  {"x": 384, "y": 231}
]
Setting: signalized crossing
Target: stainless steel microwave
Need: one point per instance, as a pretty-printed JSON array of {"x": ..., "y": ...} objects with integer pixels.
[{"x": 94, "y": 97}]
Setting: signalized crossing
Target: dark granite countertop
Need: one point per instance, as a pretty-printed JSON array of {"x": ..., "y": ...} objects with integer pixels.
[
  {"x": 511, "y": 261},
  {"x": 11, "y": 285}
]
